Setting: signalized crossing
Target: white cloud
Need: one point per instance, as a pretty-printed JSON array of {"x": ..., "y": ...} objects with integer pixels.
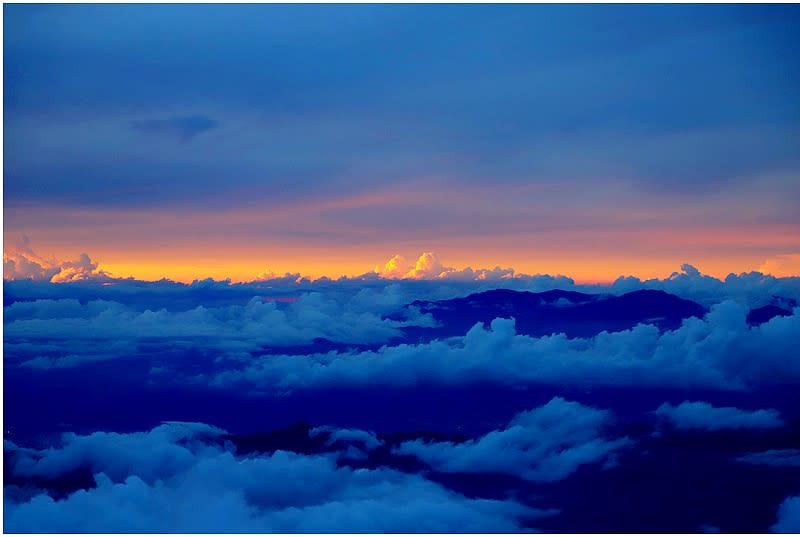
[
  {"x": 703, "y": 416},
  {"x": 544, "y": 444}
]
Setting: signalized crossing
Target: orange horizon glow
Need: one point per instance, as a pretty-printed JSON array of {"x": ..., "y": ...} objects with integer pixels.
[
  {"x": 150, "y": 266},
  {"x": 246, "y": 272},
  {"x": 348, "y": 235}
]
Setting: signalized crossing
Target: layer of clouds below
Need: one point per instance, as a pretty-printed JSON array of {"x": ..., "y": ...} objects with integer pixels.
[
  {"x": 173, "y": 479},
  {"x": 544, "y": 444},
  {"x": 66, "y": 330},
  {"x": 718, "y": 351},
  {"x": 702, "y": 416},
  {"x": 95, "y": 317}
]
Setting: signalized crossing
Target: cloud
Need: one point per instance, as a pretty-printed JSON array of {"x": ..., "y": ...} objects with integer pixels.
[
  {"x": 544, "y": 444},
  {"x": 772, "y": 457},
  {"x": 752, "y": 288},
  {"x": 703, "y": 416},
  {"x": 719, "y": 351},
  {"x": 365, "y": 438},
  {"x": 92, "y": 316},
  {"x": 429, "y": 267},
  {"x": 182, "y": 478},
  {"x": 81, "y": 269},
  {"x": 150, "y": 456},
  {"x": 184, "y": 128},
  {"x": 20, "y": 262},
  {"x": 275, "y": 279},
  {"x": 782, "y": 265},
  {"x": 70, "y": 333},
  {"x": 788, "y": 516},
  {"x": 355, "y": 443},
  {"x": 396, "y": 267},
  {"x": 427, "y": 279}
]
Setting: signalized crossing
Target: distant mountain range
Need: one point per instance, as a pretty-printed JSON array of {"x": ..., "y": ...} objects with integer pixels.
[
  {"x": 556, "y": 311},
  {"x": 541, "y": 314}
]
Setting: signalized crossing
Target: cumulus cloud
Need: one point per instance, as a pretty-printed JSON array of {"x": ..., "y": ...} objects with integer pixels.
[
  {"x": 428, "y": 266},
  {"x": 82, "y": 268},
  {"x": 702, "y": 416},
  {"x": 788, "y": 516},
  {"x": 544, "y": 444},
  {"x": 20, "y": 262},
  {"x": 181, "y": 478},
  {"x": 396, "y": 267},
  {"x": 719, "y": 351}
]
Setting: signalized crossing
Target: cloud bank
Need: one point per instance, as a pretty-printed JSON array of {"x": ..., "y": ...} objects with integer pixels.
[
  {"x": 719, "y": 351},
  {"x": 177, "y": 478},
  {"x": 94, "y": 329}
]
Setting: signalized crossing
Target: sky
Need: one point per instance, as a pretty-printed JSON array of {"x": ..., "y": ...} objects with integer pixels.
[{"x": 227, "y": 140}]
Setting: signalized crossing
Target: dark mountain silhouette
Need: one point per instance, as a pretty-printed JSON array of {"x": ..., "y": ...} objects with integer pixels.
[
  {"x": 759, "y": 316},
  {"x": 556, "y": 311}
]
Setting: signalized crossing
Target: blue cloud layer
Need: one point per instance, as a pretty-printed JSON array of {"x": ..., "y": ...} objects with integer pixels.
[{"x": 173, "y": 479}]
